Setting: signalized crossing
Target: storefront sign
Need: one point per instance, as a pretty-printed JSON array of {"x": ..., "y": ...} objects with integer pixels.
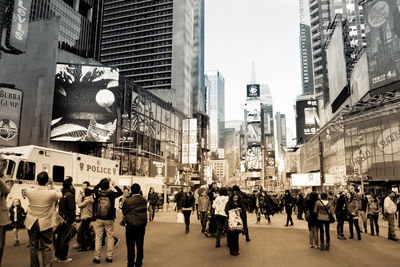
[
  {"x": 18, "y": 32},
  {"x": 10, "y": 113}
]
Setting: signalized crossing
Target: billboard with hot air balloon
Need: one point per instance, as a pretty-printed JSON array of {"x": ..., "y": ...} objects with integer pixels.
[{"x": 85, "y": 103}]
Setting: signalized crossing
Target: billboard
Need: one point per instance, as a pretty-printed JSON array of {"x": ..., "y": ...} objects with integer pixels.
[
  {"x": 359, "y": 81},
  {"x": 10, "y": 114},
  {"x": 85, "y": 103},
  {"x": 185, "y": 141},
  {"x": 306, "y": 179},
  {"x": 253, "y": 134},
  {"x": 253, "y": 90},
  {"x": 382, "y": 29},
  {"x": 254, "y": 158},
  {"x": 192, "y": 141},
  {"x": 309, "y": 156},
  {"x": 17, "y": 32},
  {"x": 253, "y": 108},
  {"x": 336, "y": 62},
  {"x": 307, "y": 120}
]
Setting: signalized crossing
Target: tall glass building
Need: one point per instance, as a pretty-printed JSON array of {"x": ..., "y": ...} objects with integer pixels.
[{"x": 79, "y": 29}]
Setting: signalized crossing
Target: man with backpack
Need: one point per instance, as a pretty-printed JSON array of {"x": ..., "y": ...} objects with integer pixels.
[{"x": 105, "y": 192}]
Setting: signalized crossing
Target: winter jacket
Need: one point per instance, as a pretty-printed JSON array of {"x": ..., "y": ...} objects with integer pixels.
[
  {"x": 323, "y": 208},
  {"x": 67, "y": 207},
  {"x": 20, "y": 217},
  {"x": 204, "y": 204},
  {"x": 289, "y": 202},
  {"x": 86, "y": 206},
  {"x": 134, "y": 210},
  {"x": 219, "y": 205},
  {"x": 309, "y": 206},
  {"x": 153, "y": 199},
  {"x": 187, "y": 201},
  {"x": 352, "y": 209},
  {"x": 373, "y": 207},
  {"x": 112, "y": 195},
  {"x": 341, "y": 208}
]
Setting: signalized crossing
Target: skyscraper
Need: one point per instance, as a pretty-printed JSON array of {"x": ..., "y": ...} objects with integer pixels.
[
  {"x": 79, "y": 27},
  {"x": 280, "y": 129},
  {"x": 320, "y": 16},
  {"x": 216, "y": 108},
  {"x": 153, "y": 43},
  {"x": 305, "y": 50}
]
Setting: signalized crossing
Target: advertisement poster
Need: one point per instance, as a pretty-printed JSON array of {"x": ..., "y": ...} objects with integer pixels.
[
  {"x": 185, "y": 141},
  {"x": 253, "y": 134},
  {"x": 306, "y": 179},
  {"x": 336, "y": 62},
  {"x": 359, "y": 81},
  {"x": 382, "y": 29},
  {"x": 253, "y": 90},
  {"x": 254, "y": 158},
  {"x": 309, "y": 156},
  {"x": 307, "y": 120},
  {"x": 253, "y": 108},
  {"x": 85, "y": 103},
  {"x": 192, "y": 141},
  {"x": 10, "y": 113}
]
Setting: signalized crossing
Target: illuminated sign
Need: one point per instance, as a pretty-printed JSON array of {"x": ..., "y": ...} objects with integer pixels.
[{"x": 18, "y": 30}]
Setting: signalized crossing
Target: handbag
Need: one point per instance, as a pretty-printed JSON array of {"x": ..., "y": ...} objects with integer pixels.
[
  {"x": 331, "y": 218},
  {"x": 180, "y": 218},
  {"x": 308, "y": 215},
  {"x": 235, "y": 223}
]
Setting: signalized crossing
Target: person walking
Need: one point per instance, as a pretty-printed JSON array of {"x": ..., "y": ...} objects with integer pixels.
[
  {"x": 373, "y": 214},
  {"x": 196, "y": 202},
  {"x": 362, "y": 210},
  {"x": 233, "y": 205},
  {"x": 220, "y": 215},
  {"x": 135, "y": 216},
  {"x": 66, "y": 209},
  {"x": 243, "y": 214},
  {"x": 86, "y": 206},
  {"x": 17, "y": 218},
  {"x": 5, "y": 188},
  {"x": 204, "y": 209},
  {"x": 187, "y": 205},
  {"x": 300, "y": 205},
  {"x": 40, "y": 219},
  {"x": 390, "y": 209},
  {"x": 352, "y": 211},
  {"x": 152, "y": 198},
  {"x": 323, "y": 209},
  {"x": 312, "y": 219},
  {"x": 341, "y": 215},
  {"x": 212, "y": 194},
  {"x": 289, "y": 203},
  {"x": 106, "y": 192}
]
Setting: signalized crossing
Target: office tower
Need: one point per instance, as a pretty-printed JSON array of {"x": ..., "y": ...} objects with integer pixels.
[
  {"x": 151, "y": 43},
  {"x": 281, "y": 129},
  {"x": 79, "y": 27},
  {"x": 305, "y": 50},
  {"x": 216, "y": 108},
  {"x": 320, "y": 16}
]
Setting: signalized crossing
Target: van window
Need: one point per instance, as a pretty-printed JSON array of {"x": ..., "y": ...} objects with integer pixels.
[
  {"x": 58, "y": 173},
  {"x": 29, "y": 173},
  {"x": 10, "y": 169}
]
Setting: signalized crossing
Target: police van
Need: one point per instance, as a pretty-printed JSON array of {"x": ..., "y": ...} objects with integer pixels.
[{"x": 24, "y": 163}]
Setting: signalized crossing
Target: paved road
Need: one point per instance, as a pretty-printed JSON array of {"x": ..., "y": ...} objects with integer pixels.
[{"x": 271, "y": 245}]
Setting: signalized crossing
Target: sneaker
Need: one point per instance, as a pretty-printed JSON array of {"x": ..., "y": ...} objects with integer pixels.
[
  {"x": 248, "y": 239},
  {"x": 393, "y": 238},
  {"x": 96, "y": 261},
  {"x": 65, "y": 260},
  {"x": 116, "y": 241},
  {"x": 108, "y": 260},
  {"x": 311, "y": 246},
  {"x": 16, "y": 244}
]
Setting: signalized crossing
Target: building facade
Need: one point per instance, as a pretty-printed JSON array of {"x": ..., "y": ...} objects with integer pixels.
[
  {"x": 216, "y": 109},
  {"x": 154, "y": 44},
  {"x": 280, "y": 120},
  {"x": 305, "y": 50}
]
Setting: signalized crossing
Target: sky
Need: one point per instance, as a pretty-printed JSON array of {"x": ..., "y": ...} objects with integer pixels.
[{"x": 239, "y": 32}]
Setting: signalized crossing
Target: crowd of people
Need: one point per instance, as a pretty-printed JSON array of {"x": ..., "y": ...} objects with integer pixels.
[{"x": 51, "y": 216}]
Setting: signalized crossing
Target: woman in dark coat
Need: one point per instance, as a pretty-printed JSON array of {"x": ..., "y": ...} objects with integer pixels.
[
  {"x": 289, "y": 202},
  {"x": 233, "y": 235},
  {"x": 187, "y": 206},
  {"x": 311, "y": 218},
  {"x": 243, "y": 213},
  {"x": 152, "y": 198}
]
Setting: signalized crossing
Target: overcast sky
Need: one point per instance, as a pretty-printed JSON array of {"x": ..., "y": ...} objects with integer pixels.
[{"x": 238, "y": 32}]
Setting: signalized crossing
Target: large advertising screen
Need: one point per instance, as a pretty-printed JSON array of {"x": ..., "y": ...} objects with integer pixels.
[
  {"x": 253, "y": 90},
  {"x": 253, "y": 108},
  {"x": 85, "y": 103},
  {"x": 254, "y": 158},
  {"x": 359, "y": 82},
  {"x": 382, "y": 28},
  {"x": 309, "y": 156},
  {"x": 253, "y": 134},
  {"x": 336, "y": 62},
  {"x": 10, "y": 114},
  {"x": 372, "y": 147},
  {"x": 307, "y": 120}
]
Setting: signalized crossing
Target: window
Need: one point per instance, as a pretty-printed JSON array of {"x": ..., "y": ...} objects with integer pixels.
[
  {"x": 58, "y": 173},
  {"x": 26, "y": 170}
]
